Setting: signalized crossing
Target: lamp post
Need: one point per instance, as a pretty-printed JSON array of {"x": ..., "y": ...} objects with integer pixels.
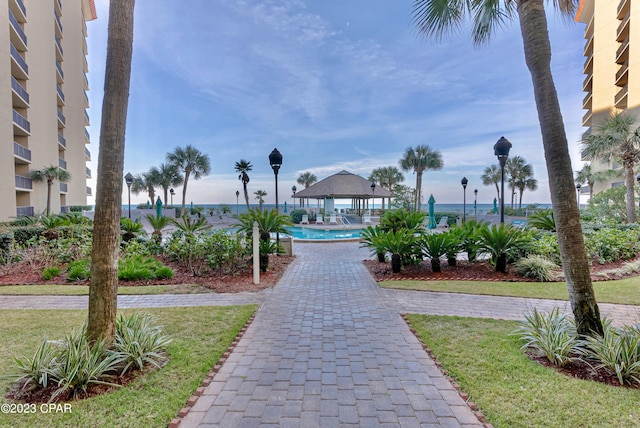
[
  {"x": 638, "y": 180},
  {"x": 237, "y": 196},
  {"x": 501, "y": 150},
  {"x": 475, "y": 204},
  {"x": 578, "y": 187},
  {"x": 373, "y": 197},
  {"x": 275, "y": 160},
  {"x": 172, "y": 192},
  {"x": 294, "y": 189},
  {"x": 129, "y": 180},
  {"x": 464, "y": 198}
]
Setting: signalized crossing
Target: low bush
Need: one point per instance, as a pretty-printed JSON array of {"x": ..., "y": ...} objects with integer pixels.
[
  {"x": 23, "y": 234},
  {"x": 612, "y": 244},
  {"x": 133, "y": 268},
  {"x": 50, "y": 272},
  {"x": 296, "y": 215},
  {"x": 79, "y": 269},
  {"x": 536, "y": 267},
  {"x": 139, "y": 342}
]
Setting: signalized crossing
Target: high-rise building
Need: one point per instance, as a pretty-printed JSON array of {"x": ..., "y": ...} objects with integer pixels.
[
  {"x": 43, "y": 114},
  {"x": 612, "y": 65}
]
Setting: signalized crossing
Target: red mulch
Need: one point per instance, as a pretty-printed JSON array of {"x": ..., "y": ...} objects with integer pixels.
[{"x": 240, "y": 280}]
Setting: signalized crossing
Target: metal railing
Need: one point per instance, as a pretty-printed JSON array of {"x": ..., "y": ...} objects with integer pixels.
[
  {"x": 59, "y": 44},
  {"x": 24, "y": 182},
  {"x": 87, "y": 153},
  {"x": 58, "y": 20},
  {"x": 61, "y": 117},
  {"x": 21, "y": 6},
  {"x": 59, "y": 90},
  {"x": 59, "y": 68},
  {"x": 25, "y": 211},
  {"x": 17, "y": 27},
  {"x": 20, "y": 90},
  {"x": 62, "y": 140},
  {"x": 88, "y": 172},
  {"x": 62, "y": 163},
  {"x": 64, "y": 187},
  {"x": 22, "y": 151},
  {"x": 21, "y": 121},
  {"x": 21, "y": 62},
  {"x": 88, "y": 191}
]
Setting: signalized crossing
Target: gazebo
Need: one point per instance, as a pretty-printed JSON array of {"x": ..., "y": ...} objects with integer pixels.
[{"x": 343, "y": 185}]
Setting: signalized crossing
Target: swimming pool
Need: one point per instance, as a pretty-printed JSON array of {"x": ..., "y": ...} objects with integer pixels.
[{"x": 304, "y": 233}]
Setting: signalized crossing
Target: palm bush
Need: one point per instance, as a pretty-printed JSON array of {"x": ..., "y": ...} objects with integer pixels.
[
  {"x": 130, "y": 229},
  {"x": 543, "y": 220},
  {"x": 434, "y": 246},
  {"x": 158, "y": 223},
  {"x": 402, "y": 219},
  {"x": 467, "y": 234},
  {"x": 51, "y": 224},
  {"x": 190, "y": 227},
  {"x": 553, "y": 335},
  {"x": 269, "y": 221},
  {"x": 502, "y": 243},
  {"x": 400, "y": 243},
  {"x": 369, "y": 238},
  {"x": 454, "y": 245},
  {"x": 537, "y": 267}
]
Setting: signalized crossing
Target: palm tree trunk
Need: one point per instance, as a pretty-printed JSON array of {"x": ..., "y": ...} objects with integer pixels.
[
  {"x": 537, "y": 52},
  {"x": 629, "y": 181},
  {"x": 246, "y": 194},
  {"x": 184, "y": 191},
  {"x": 418, "y": 191},
  {"x": 49, "y": 183},
  {"x": 103, "y": 290}
]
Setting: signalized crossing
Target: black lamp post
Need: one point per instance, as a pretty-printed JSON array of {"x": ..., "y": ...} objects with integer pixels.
[
  {"x": 464, "y": 198},
  {"x": 501, "y": 150},
  {"x": 475, "y": 204},
  {"x": 275, "y": 160},
  {"x": 373, "y": 194},
  {"x": 172, "y": 192},
  {"x": 237, "y": 196},
  {"x": 294, "y": 189},
  {"x": 129, "y": 180},
  {"x": 578, "y": 187}
]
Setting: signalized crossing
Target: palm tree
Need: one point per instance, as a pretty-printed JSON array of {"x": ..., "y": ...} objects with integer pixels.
[
  {"x": 513, "y": 169},
  {"x": 437, "y": 17},
  {"x": 525, "y": 182},
  {"x": 523, "y": 178},
  {"x": 387, "y": 177},
  {"x": 585, "y": 175},
  {"x": 242, "y": 167},
  {"x": 167, "y": 176},
  {"x": 615, "y": 140},
  {"x": 306, "y": 179},
  {"x": 146, "y": 182},
  {"x": 103, "y": 289},
  {"x": 189, "y": 161},
  {"x": 259, "y": 194},
  {"x": 50, "y": 174},
  {"x": 418, "y": 160},
  {"x": 492, "y": 175}
]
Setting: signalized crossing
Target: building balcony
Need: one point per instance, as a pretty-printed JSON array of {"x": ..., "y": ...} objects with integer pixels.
[
  {"x": 586, "y": 83},
  {"x": 64, "y": 187},
  {"x": 21, "y": 154},
  {"x": 58, "y": 23},
  {"x": 588, "y": 48},
  {"x": 586, "y": 119},
  {"x": 19, "y": 67},
  {"x": 622, "y": 76},
  {"x": 87, "y": 138},
  {"x": 622, "y": 54},
  {"x": 18, "y": 37},
  {"x": 88, "y": 172},
  {"x": 19, "y": 94},
  {"x": 25, "y": 212},
  {"x": 623, "y": 8},
  {"x": 86, "y": 99},
  {"x": 21, "y": 125},
  {"x": 586, "y": 101},
  {"x": 86, "y": 82},
  {"x": 59, "y": 6},
  {"x": 59, "y": 45},
  {"x": 88, "y": 191},
  {"x": 87, "y": 154},
  {"x": 60, "y": 72},
  {"x": 60, "y": 94},
  {"x": 17, "y": 7},
  {"x": 87, "y": 121},
  {"x": 623, "y": 28},
  {"x": 588, "y": 32},
  {"x": 23, "y": 183},
  {"x": 588, "y": 65},
  {"x": 620, "y": 101},
  {"x": 61, "y": 117},
  {"x": 62, "y": 163},
  {"x": 62, "y": 141}
]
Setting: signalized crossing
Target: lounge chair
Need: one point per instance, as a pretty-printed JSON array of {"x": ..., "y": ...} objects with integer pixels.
[
  {"x": 443, "y": 223},
  {"x": 305, "y": 219},
  {"x": 333, "y": 219},
  {"x": 366, "y": 219},
  {"x": 319, "y": 219}
]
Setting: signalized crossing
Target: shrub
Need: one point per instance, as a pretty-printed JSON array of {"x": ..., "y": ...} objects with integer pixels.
[
  {"x": 226, "y": 253},
  {"x": 79, "y": 269},
  {"x": 537, "y": 267},
  {"x": 369, "y": 238},
  {"x": 164, "y": 272},
  {"x": 6, "y": 245},
  {"x": 611, "y": 244},
  {"x": 23, "y": 234},
  {"x": 138, "y": 267},
  {"x": 35, "y": 370},
  {"x": 402, "y": 219},
  {"x": 433, "y": 247},
  {"x": 502, "y": 243},
  {"x": 546, "y": 244},
  {"x": 401, "y": 244},
  {"x": 50, "y": 272},
  {"x": 296, "y": 215},
  {"x": 139, "y": 342},
  {"x": 553, "y": 335},
  {"x": 543, "y": 220}
]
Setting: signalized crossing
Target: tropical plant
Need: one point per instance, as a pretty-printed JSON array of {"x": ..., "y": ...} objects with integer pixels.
[
  {"x": 103, "y": 291},
  {"x": 79, "y": 269},
  {"x": 158, "y": 224},
  {"x": 467, "y": 234},
  {"x": 146, "y": 182},
  {"x": 537, "y": 267},
  {"x": 269, "y": 221},
  {"x": 434, "y": 246},
  {"x": 438, "y": 17},
  {"x": 51, "y": 223},
  {"x": 138, "y": 267},
  {"x": 139, "y": 342},
  {"x": 49, "y": 175},
  {"x": 370, "y": 238},
  {"x": 518, "y": 170},
  {"x": 403, "y": 197},
  {"x": 189, "y": 161},
  {"x": 492, "y": 175},
  {"x": 525, "y": 181},
  {"x": 502, "y": 243},
  {"x": 402, "y": 219},
  {"x": 50, "y": 272},
  {"x": 306, "y": 179},
  {"x": 400, "y": 243},
  {"x": 586, "y": 175},
  {"x": 242, "y": 167},
  {"x": 454, "y": 245},
  {"x": 543, "y": 220},
  {"x": 167, "y": 176},
  {"x": 35, "y": 371},
  {"x": 616, "y": 140},
  {"x": 420, "y": 159},
  {"x": 189, "y": 227},
  {"x": 259, "y": 195},
  {"x": 131, "y": 229},
  {"x": 387, "y": 177},
  {"x": 553, "y": 335}
]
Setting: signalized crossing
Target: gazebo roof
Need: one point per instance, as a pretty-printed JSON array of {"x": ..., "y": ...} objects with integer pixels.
[{"x": 343, "y": 185}]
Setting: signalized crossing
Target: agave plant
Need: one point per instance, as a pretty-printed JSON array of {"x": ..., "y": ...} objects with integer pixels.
[
  {"x": 434, "y": 246},
  {"x": 158, "y": 223},
  {"x": 501, "y": 243},
  {"x": 369, "y": 238},
  {"x": 402, "y": 219}
]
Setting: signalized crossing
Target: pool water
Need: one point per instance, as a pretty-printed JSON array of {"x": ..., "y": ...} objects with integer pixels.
[{"x": 319, "y": 234}]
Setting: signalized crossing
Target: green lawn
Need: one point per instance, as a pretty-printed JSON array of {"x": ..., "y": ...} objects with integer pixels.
[
  {"x": 82, "y": 290},
  {"x": 513, "y": 391},
  {"x": 625, "y": 291},
  {"x": 200, "y": 336}
]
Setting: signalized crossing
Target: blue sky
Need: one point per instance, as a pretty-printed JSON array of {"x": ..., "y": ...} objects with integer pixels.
[{"x": 333, "y": 85}]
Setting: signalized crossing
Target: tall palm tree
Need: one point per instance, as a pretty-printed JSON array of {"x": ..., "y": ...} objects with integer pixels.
[
  {"x": 146, "y": 182},
  {"x": 525, "y": 181},
  {"x": 420, "y": 159},
  {"x": 189, "y": 160},
  {"x": 167, "y": 176},
  {"x": 586, "y": 175},
  {"x": 515, "y": 168},
  {"x": 437, "y": 17},
  {"x": 615, "y": 139},
  {"x": 50, "y": 174},
  {"x": 259, "y": 195},
  {"x": 242, "y": 168},
  {"x": 306, "y": 179},
  {"x": 492, "y": 175},
  {"x": 103, "y": 289},
  {"x": 387, "y": 177}
]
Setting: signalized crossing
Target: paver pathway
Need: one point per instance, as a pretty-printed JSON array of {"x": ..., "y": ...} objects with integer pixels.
[{"x": 324, "y": 350}]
